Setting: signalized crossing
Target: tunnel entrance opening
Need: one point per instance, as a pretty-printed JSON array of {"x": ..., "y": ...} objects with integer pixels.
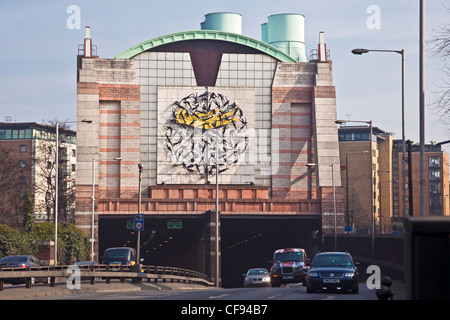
[
  {"x": 249, "y": 242},
  {"x": 175, "y": 241},
  {"x": 182, "y": 241}
]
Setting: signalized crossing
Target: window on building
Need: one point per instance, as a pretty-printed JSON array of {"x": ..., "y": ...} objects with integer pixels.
[
  {"x": 434, "y": 174},
  {"x": 22, "y": 164},
  {"x": 22, "y": 179},
  {"x": 22, "y": 148},
  {"x": 435, "y": 205},
  {"x": 435, "y": 187},
  {"x": 434, "y": 162}
]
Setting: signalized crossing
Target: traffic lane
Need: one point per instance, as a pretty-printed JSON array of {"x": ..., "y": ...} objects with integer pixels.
[
  {"x": 280, "y": 293},
  {"x": 291, "y": 292}
]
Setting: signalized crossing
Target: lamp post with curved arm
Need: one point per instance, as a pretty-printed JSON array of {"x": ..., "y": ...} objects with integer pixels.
[{"x": 402, "y": 52}]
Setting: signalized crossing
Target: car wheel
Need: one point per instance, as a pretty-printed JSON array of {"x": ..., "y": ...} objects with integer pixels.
[
  {"x": 309, "y": 290},
  {"x": 355, "y": 290}
]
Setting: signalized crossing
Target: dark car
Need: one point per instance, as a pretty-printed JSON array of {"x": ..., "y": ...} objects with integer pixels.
[
  {"x": 120, "y": 256},
  {"x": 23, "y": 261},
  {"x": 333, "y": 271}
]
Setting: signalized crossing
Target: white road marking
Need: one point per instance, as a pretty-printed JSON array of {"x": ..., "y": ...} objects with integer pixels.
[
  {"x": 217, "y": 297},
  {"x": 271, "y": 297}
]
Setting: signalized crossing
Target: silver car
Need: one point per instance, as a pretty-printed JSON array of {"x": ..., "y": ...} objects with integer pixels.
[{"x": 258, "y": 277}]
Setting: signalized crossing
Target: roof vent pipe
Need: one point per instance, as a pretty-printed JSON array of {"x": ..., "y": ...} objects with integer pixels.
[
  {"x": 223, "y": 21},
  {"x": 322, "y": 48},
  {"x": 286, "y": 32},
  {"x": 88, "y": 43}
]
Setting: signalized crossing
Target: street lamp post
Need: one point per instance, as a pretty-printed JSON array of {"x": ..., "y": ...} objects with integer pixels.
[
  {"x": 402, "y": 52},
  {"x": 217, "y": 210},
  {"x": 422, "y": 106},
  {"x": 57, "y": 183},
  {"x": 93, "y": 210},
  {"x": 138, "y": 246}
]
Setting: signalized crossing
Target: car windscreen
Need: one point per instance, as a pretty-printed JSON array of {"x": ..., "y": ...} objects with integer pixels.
[
  {"x": 116, "y": 254},
  {"x": 332, "y": 260},
  {"x": 14, "y": 259},
  {"x": 288, "y": 256},
  {"x": 257, "y": 272}
]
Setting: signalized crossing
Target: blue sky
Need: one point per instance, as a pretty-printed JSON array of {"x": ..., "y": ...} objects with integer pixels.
[{"x": 38, "y": 55}]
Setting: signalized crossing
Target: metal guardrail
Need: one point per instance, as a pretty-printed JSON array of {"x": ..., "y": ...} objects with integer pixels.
[{"x": 150, "y": 273}]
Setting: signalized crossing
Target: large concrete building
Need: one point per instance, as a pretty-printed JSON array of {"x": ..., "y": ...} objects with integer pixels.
[{"x": 187, "y": 104}]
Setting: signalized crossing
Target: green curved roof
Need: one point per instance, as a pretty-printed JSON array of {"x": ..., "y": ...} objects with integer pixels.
[{"x": 207, "y": 35}]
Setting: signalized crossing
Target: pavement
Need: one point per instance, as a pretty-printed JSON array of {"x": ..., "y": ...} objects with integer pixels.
[{"x": 20, "y": 292}]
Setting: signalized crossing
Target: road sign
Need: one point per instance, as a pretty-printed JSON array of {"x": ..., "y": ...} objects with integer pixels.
[
  {"x": 174, "y": 224},
  {"x": 347, "y": 228},
  {"x": 138, "y": 222},
  {"x": 130, "y": 224}
]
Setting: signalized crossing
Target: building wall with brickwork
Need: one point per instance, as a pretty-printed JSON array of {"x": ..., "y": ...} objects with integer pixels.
[{"x": 169, "y": 105}]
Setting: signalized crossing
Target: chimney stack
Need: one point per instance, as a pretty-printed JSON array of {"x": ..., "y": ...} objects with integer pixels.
[
  {"x": 322, "y": 48},
  {"x": 88, "y": 43}
]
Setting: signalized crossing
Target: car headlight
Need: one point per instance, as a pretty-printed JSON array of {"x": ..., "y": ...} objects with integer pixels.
[
  {"x": 266, "y": 279},
  {"x": 313, "y": 274},
  {"x": 349, "y": 274}
]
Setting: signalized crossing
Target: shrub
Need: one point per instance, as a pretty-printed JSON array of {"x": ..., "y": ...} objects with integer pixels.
[{"x": 73, "y": 245}]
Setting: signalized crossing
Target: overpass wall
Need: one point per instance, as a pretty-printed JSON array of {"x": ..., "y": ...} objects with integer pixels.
[{"x": 388, "y": 251}]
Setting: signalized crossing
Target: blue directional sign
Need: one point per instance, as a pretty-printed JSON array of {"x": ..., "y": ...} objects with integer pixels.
[{"x": 139, "y": 222}]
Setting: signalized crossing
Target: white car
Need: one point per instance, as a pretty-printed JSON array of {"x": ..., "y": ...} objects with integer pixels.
[{"x": 258, "y": 277}]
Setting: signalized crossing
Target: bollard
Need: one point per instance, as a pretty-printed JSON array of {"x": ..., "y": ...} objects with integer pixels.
[{"x": 384, "y": 293}]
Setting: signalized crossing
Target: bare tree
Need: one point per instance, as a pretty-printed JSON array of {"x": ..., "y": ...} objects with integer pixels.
[
  {"x": 44, "y": 163},
  {"x": 12, "y": 188},
  {"x": 45, "y": 184},
  {"x": 440, "y": 47}
]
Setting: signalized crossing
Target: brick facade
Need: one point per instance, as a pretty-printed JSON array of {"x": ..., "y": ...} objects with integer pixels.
[{"x": 291, "y": 107}]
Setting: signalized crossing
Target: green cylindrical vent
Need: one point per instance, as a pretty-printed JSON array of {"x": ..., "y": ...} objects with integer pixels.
[
  {"x": 265, "y": 32},
  {"x": 223, "y": 21},
  {"x": 286, "y": 27},
  {"x": 286, "y": 32}
]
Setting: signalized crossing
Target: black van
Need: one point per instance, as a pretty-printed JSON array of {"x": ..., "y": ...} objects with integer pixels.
[{"x": 119, "y": 256}]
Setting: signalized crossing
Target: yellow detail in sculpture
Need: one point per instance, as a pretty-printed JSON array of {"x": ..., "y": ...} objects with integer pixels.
[{"x": 208, "y": 120}]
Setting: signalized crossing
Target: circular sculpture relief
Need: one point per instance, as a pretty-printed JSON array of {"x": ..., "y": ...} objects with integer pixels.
[{"x": 196, "y": 124}]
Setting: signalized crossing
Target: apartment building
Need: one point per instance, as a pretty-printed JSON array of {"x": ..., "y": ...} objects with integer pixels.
[
  {"x": 28, "y": 155},
  {"x": 368, "y": 194},
  {"x": 381, "y": 192},
  {"x": 436, "y": 180}
]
